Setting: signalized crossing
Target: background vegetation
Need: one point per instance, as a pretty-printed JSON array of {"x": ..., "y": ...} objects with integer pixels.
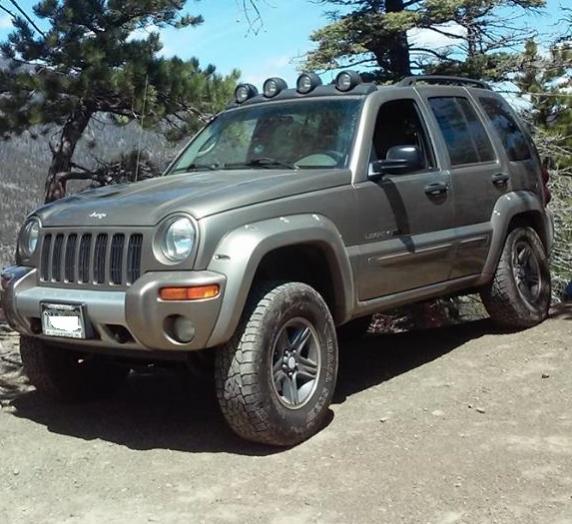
[{"x": 87, "y": 98}]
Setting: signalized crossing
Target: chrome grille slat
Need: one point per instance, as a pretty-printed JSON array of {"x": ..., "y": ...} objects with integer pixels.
[
  {"x": 69, "y": 264},
  {"x": 134, "y": 258},
  {"x": 91, "y": 259},
  {"x": 45, "y": 260},
  {"x": 57, "y": 258},
  {"x": 116, "y": 259},
  {"x": 100, "y": 258},
  {"x": 84, "y": 259}
]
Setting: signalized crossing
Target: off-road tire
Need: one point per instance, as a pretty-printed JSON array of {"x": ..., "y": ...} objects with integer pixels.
[
  {"x": 243, "y": 367},
  {"x": 64, "y": 375},
  {"x": 503, "y": 300},
  {"x": 355, "y": 329}
]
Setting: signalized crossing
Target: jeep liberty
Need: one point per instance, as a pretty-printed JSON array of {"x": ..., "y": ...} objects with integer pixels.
[{"x": 295, "y": 214}]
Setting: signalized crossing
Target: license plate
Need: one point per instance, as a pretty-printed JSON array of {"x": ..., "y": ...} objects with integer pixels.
[{"x": 63, "y": 320}]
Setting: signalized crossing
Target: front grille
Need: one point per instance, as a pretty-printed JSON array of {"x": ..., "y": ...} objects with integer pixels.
[{"x": 101, "y": 259}]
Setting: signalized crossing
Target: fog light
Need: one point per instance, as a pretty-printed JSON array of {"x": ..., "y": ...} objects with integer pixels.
[
  {"x": 273, "y": 87},
  {"x": 243, "y": 92},
  {"x": 347, "y": 80},
  {"x": 183, "y": 330},
  {"x": 307, "y": 82}
]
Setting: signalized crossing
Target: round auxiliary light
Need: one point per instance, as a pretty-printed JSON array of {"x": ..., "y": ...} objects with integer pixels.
[
  {"x": 273, "y": 86},
  {"x": 307, "y": 82},
  {"x": 347, "y": 80},
  {"x": 243, "y": 92},
  {"x": 29, "y": 237}
]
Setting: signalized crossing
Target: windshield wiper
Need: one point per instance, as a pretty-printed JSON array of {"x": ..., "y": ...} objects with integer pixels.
[
  {"x": 195, "y": 167},
  {"x": 264, "y": 162}
]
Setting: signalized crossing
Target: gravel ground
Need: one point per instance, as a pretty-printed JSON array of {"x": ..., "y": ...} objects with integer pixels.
[{"x": 460, "y": 424}]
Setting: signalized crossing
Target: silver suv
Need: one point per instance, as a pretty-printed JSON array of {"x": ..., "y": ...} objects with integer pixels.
[{"x": 296, "y": 213}]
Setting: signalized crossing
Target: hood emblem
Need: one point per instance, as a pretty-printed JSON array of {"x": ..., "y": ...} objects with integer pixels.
[{"x": 99, "y": 216}]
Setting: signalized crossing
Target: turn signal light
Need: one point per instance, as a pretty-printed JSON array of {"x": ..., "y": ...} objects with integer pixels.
[{"x": 190, "y": 293}]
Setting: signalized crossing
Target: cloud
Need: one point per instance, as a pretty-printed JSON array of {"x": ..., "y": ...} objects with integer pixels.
[
  {"x": 434, "y": 40},
  {"x": 5, "y": 22},
  {"x": 273, "y": 66}
]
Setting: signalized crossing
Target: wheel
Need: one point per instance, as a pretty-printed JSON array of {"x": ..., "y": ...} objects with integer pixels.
[
  {"x": 355, "y": 329},
  {"x": 275, "y": 379},
  {"x": 68, "y": 375},
  {"x": 520, "y": 292}
]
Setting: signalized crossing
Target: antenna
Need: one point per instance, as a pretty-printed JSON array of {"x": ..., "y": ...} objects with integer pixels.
[{"x": 141, "y": 126}]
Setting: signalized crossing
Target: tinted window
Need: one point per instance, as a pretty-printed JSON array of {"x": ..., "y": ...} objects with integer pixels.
[
  {"x": 399, "y": 124},
  {"x": 513, "y": 139},
  {"x": 464, "y": 134}
]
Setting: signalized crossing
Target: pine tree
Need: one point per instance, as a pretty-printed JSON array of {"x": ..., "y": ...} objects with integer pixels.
[
  {"x": 373, "y": 35},
  {"x": 100, "y": 59}
]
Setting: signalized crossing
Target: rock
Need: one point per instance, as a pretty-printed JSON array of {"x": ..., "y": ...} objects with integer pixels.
[
  {"x": 480, "y": 410},
  {"x": 545, "y": 375},
  {"x": 438, "y": 413},
  {"x": 383, "y": 419}
]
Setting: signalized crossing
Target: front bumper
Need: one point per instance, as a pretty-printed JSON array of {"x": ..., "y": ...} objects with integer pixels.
[{"x": 135, "y": 318}]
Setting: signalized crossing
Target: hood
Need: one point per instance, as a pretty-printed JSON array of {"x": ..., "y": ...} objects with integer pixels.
[{"x": 199, "y": 194}]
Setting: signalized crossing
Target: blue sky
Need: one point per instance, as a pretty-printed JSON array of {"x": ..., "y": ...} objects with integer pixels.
[{"x": 226, "y": 41}]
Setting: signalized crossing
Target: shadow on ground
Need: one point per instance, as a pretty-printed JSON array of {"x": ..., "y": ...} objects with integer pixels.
[{"x": 162, "y": 410}]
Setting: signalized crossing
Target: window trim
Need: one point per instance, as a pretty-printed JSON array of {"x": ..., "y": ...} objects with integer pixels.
[
  {"x": 494, "y": 160},
  {"x": 425, "y": 128},
  {"x": 530, "y": 145}
]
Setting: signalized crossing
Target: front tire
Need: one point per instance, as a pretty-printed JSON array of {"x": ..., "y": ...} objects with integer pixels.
[
  {"x": 67, "y": 375},
  {"x": 276, "y": 378},
  {"x": 519, "y": 295}
]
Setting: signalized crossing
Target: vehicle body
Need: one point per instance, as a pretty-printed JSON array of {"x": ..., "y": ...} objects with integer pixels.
[{"x": 412, "y": 192}]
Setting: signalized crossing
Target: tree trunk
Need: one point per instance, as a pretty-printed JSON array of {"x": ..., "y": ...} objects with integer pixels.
[
  {"x": 62, "y": 154},
  {"x": 399, "y": 59}
]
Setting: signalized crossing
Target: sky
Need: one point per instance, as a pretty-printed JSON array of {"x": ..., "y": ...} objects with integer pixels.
[{"x": 227, "y": 40}]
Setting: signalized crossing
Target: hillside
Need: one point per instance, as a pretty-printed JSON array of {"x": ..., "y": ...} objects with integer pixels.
[{"x": 24, "y": 164}]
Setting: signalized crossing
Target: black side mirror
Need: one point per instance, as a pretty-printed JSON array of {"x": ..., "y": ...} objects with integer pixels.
[{"x": 399, "y": 160}]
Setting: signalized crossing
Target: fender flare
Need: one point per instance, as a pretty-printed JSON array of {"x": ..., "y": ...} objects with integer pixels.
[
  {"x": 240, "y": 252},
  {"x": 507, "y": 207}
]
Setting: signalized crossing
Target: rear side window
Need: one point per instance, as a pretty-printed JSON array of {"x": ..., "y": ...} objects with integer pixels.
[
  {"x": 464, "y": 134},
  {"x": 513, "y": 139}
]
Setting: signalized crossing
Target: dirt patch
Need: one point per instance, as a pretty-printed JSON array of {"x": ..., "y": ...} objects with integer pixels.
[{"x": 461, "y": 424}]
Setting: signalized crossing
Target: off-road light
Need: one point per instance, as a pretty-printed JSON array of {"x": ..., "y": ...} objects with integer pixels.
[
  {"x": 347, "y": 80},
  {"x": 243, "y": 92},
  {"x": 29, "y": 237},
  {"x": 273, "y": 86},
  {"x": 177, "y": 238},
  {"x": 307, "y": 82}
]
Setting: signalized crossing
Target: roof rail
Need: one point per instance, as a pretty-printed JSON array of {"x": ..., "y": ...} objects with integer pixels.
[{"x": 444, "y": 80}]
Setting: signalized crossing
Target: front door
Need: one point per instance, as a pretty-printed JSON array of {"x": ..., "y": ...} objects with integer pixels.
[{"x": 406, "y": 220}]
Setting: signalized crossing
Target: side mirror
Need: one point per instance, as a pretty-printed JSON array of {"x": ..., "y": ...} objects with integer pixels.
[{"x": 399, "y": 160}]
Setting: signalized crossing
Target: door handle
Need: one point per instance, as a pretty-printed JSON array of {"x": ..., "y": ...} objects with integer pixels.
[
  {"x": 500, "y": 179},
  {"x": 436, "y": 188}
]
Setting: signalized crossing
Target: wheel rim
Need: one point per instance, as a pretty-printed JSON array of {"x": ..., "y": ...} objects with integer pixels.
[
  {"x": 296, "y": 363},
  {"x": 527, "y": 272}
]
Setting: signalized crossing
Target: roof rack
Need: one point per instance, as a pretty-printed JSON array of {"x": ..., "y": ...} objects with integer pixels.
[{"x": 444, "y": 80}]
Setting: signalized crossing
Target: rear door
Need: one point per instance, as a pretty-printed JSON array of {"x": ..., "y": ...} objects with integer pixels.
[
  {"x": 478, "y": 177},
  {"x": 407, "y": 219}
]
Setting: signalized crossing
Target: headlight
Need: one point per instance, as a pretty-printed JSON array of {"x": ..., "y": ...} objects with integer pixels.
[
  {"x": 178, "y": 239},
  {"x": 29, "y": 237}
]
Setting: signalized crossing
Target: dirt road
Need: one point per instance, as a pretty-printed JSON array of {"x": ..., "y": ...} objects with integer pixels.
[{"x": 459, "y": 424}]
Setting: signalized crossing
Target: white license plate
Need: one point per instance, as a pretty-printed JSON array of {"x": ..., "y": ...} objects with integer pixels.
[{"x": 63, "y": 320}]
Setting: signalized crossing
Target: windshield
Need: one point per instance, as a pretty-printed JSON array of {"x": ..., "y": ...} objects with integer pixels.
[{"x": 302, "y": 134}]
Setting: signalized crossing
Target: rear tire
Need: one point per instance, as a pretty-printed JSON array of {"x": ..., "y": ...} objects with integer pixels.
[
  {"x": 520, "y": 293},
  {"x": 276, "y": 378},
  {"x": 67, "y": 375}
]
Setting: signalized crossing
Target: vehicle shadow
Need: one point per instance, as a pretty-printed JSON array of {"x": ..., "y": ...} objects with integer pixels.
[{"x": 164, "y": 411}]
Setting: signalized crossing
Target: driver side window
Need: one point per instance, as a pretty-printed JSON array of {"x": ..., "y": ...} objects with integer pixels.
[{"x": 399, "y": 124}]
